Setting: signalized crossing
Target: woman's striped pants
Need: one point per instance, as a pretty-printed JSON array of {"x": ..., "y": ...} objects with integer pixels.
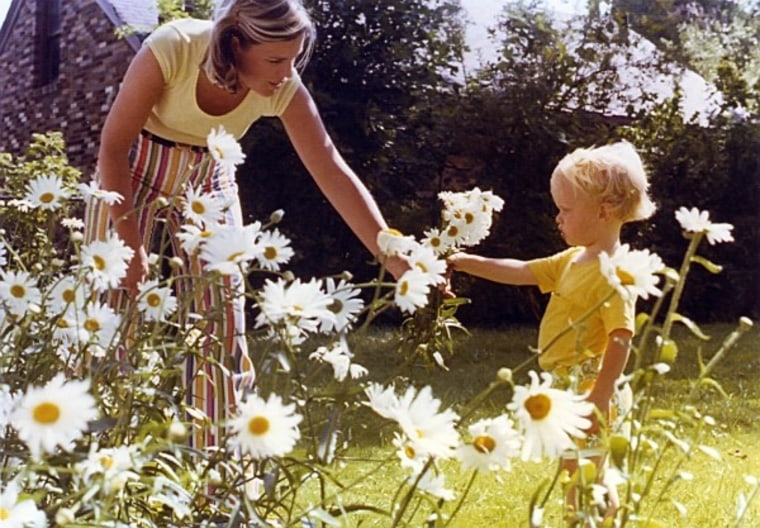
[{"x": 211, "y": 377}]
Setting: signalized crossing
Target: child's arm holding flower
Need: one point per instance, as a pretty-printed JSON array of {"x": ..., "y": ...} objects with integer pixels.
[{"x": 504, "y": 270}]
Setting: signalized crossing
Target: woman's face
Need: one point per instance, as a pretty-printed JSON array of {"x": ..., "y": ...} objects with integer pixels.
[{"x": 265, "y": 67}]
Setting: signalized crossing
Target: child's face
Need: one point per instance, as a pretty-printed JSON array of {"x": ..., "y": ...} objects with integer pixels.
[{"x": 579, "y": 216}]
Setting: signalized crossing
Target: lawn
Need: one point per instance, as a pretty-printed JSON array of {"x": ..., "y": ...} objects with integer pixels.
[{"x": 710, "y": 498}]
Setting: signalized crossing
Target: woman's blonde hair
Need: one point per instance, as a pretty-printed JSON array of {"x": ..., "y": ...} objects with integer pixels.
[
  {"x": 614, "y": 175},
  {"x": 254, "y": 22}
]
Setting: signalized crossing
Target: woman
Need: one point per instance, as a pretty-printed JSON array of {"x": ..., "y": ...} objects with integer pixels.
[{"x": 192, "y": 76}]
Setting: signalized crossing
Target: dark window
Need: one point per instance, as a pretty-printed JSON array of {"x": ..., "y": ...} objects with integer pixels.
[{"x": 48, "y": 43}]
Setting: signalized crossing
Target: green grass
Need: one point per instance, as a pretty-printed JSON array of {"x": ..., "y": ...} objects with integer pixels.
[{"x": 501, "y": 499}]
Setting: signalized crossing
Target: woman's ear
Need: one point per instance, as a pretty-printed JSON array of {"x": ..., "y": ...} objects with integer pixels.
[{"x": 605, "y": 211}]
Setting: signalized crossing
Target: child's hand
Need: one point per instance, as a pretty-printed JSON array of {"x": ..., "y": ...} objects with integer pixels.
[{"x": 602, "y": 412}]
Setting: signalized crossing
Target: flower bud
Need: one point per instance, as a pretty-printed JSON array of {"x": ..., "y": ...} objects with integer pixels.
[
  {"x": 745, "y": 323},
  {"x": 162, "y": 201},
  {"x": 347, "y": 276},
  {"x": 276, "y": 216},
  {"x": 175, "y": 262},
  {"x": 77, "y": 236},
  {"x": 177, "y": 431},
  {"x": 65, "y": 516},
  {"x": 504, "y": 375},
  {"x": 288, "y": 276}
]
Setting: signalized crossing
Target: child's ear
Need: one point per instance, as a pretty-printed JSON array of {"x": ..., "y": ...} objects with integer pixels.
[{"x": 605, "y": 211}]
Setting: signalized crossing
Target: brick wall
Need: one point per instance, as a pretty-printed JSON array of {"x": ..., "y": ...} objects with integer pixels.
[{"x": 93, "y": 61}]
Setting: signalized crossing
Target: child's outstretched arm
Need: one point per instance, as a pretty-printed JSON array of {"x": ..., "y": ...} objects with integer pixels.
[
  {"x": 505, "y": 271},
  {"x": 613, "y": 364}
]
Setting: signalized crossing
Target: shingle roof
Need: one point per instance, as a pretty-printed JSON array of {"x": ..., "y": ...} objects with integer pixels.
[{"x": 139, "y": 15}]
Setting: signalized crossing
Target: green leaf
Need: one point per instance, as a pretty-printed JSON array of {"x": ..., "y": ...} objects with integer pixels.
[
  {"x": 708, "y": 265},
  {"x": 691, "y": 325},
  {"x": 714, "y": 384}
]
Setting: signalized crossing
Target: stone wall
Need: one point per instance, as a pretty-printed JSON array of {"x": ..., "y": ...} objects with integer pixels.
[{"x": 92, "y": 62}]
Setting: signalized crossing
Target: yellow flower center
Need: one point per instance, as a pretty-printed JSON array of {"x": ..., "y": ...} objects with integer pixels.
[
  {"x": 68, "y": 296},
  {"x": 626, "y": 279},
  {"x": 484, "y": 444},
  {"x": 47, "y": 197},
  {"x": 62, "y": 323},
  {"x": 18, "y": 291},
  {"x": 421, "y": 266},
  {"x": 258, "y": 425},
  {"x": 92, "y": 325},
  {"x": 452, "y": 231},
  {"x": 404, "y": 288},
  {"x": 46, "y": 413},
  {"x": 538, "y": 406},
  {"x": 435, "y": 242},
  {"x": 469, "y": 218},
  {"x": 270, "y": 253},
  {"x": 106, "y": 461},
  {"x": 235, "y": 256},
  {"x": 153, "y": 300},
  {"x": 409, "y": 451},
  {"x": 4, "y": 514},
  {"x": 99, "y": 262},
  {"x": 197, "y": 207},
  {"x": 394, "y": 232},
  {"x": 206, "y": 234},
  {"x": 219, "y": 152}
]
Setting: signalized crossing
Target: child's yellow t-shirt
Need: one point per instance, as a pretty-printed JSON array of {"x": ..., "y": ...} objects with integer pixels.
[
  {"x": 180, "y": 46},
  {"x": 575, "y": 289}
]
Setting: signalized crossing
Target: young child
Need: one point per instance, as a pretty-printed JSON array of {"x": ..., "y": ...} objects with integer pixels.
[{"x": 596, "y": 191}]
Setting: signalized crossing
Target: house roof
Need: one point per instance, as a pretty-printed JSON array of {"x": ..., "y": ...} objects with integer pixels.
[{"x": 138, "y": 15}]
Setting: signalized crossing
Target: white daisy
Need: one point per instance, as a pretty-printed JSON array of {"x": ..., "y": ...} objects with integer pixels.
[
  {"x": 19, "y": 292},
  {"x": 100, "y": 325},
  {"x": 203, "y": 208},
  {"x": 114, "y": 464},
  {"x": 632, "y": 272},
  {"x": 299, "y": 305},
  {"x": 155, "y": 302},
  {"x": 434, "y": 240},
  {"x": 106, "y": 261},
  {"x": 412, "y": 290},
  {"x": 425, "y": 259},
  {"x": 231, "y": 248},
  {"x": 225, "y": 149},
  {"x": 393, "y": 242},
  {"x": 92, "y": 190},
  {"x": 382, "y": 400},
  {"x": 409, "y": 456},
  {"x": 494, "y": 442},
  {"x": 434, "y": 485},
  {"x": 274, "y": 250},
  {"x": 46, "y": 192},
  {"x": 345, "y": 305},
  {"x": 16, "y": 513},
  {"x": 54, "y": 415},
  {"x": 430, "y": 432},
  {"x": 191, "y": 237},
  {"x": 266, "y": 428},
  {"x": 66, "y": 292},
  {"x": 549, "y": 418},
  {"x": 170, "y": 494},
  {"x": 74, "y": 224},
  {"x": 339, "y": 357},
  {"x": 696, "y": 221}
]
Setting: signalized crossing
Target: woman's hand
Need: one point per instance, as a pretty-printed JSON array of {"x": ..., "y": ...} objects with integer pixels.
[
  {"x": 396, "y": 266},
  {"x": 137, "y": 271}
]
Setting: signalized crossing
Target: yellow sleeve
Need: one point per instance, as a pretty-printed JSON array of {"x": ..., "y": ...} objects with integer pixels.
[
  {"x": 165, "y": 43},
  {"x": 548, "y": 270}
]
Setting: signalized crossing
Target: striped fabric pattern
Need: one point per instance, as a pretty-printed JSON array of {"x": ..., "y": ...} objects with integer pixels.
[{"x": 209, "y": 378}]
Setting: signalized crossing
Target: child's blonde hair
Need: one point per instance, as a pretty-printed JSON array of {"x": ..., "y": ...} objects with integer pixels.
[{"x": 613, "y": 174}]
